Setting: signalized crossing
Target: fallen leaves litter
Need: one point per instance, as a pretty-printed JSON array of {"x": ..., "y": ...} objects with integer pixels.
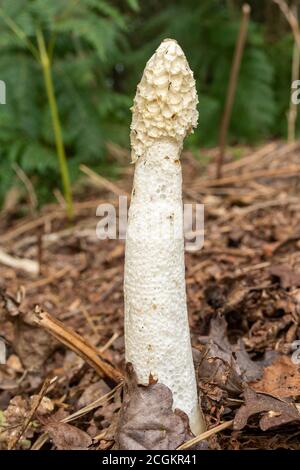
[
  {"x": 282, "y": 378},
  {"x": 287, "y": 276},
  {"x": 276, "y": 412},
  {"x": 146, "y": 419},
  {"x": 67, "y": 437},
  {"x": 223, "y": 366},
  {"x": 248, "y": 271}
]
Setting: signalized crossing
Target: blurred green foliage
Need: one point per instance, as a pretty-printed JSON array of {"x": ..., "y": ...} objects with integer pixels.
[{"x": 99, "y": 49}]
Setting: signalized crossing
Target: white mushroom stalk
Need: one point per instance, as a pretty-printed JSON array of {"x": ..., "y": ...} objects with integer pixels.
[{"x": 157, "y": 337}]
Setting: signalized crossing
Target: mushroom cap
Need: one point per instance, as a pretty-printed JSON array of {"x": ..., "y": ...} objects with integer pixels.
[{"x": 165, "y": 104}]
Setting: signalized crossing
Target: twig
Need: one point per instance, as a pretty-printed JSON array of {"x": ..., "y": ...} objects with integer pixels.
[
  {"x": 102, "y": 182},
  {"x": 265, "y": 205},
  {"x": 111, "y": 289},
  {"x": 257, "y": 155},
  {"x": 292, "y": 170},
  {"x": 110, "y": 342},
  {"x": 27, "y": 421},
  {"x": 240, "y": 253},
  {"x": 44, "y": 219},
  {"x": 81, "y": 412},
  {"x": 242, "y": 271},
  {"x": 238, "y": 54},
  {"x": 90, "y": 321},
  {"x": 93, "y": 405},
  {"x": 60, "y": 199},
  {"x": 28, "y": 265},
  {"x": 33, "y": 202},
  {"x": 48, "y": 280},
  {"x": 287, "y": 240},
  {"x": 291, "y": 19},
  {"x": 77, "y": 344},
  {"x": 26, "y": 227},
  {"x": 206, "y": 435}
]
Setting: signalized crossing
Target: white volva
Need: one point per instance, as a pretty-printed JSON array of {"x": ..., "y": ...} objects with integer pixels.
[{"x": 157, "y": 338}]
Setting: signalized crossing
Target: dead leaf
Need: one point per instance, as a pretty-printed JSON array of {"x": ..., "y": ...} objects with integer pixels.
[
  {"x": 33, "y": 345},
  {"x": 215, "y": 296},
  {"x": 67, "y": 437},
  {"x": 250, "y": 370},
  {"x": 147, "y": 421},
  {"x": 287, "y": 276},
  {"x": 216, "y": 374},
  {"x": 276, "y": 412},
  {"x": 45, "y": 407},
  {"x": 235, "y": 356},
  {"x": 8, "y": 378},
  {"x": 282, "y": 378},
  {"x": 9, "y": 304},
  {"x": 92, "y": 392},
  {"x": 14, "y": 417},
  {"x": 14, "y": 363}
]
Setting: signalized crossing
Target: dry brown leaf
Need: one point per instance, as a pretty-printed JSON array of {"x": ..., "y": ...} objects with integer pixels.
[
  {"x": 67, "y": 437},
  {"x": 146, "y": 419},
  {"x": 15, "y": 414},
  {"x": 249, "y": 370},
  {"x": 287, "y": 276},
  {"x": 33, "y": 345},
  {"x": 217, "y": 376},
  {"x": 276, "y": 412},
  {"x": 92, "y": 392},
  {"x": 8, "y": 378},
  {"x": 282, "y": 378},
  {"x": 235, "y": 356},
  {"x": 9, "y": 304}
]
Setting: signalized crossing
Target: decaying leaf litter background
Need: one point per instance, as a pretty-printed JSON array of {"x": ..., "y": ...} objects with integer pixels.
[{"x": 244, "y": 305}]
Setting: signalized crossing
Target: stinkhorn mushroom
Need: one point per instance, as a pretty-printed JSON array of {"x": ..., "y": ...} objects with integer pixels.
[{"x": 157, "y": 337}]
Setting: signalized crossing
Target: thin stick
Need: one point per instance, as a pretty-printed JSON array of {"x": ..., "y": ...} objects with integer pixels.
[
  {"x": 48, "y": 280},
  {"x": 28, "y": 265},
  {"x": 205, "y": 435},
  {"x": 292, "y": 170},
  {"x": 77, "y": 344},
  {"x": 109, "y": 342},
  {"x": 292, "y": 114},
  {"x": 90, "y": 321},
  {"x": 101, "y": 181},
  {"x": 27, "y": 421},
  {"x": 91, "y": 406},
  {"x": 45, "y": 61},
  {"x": 42, "y": 439},
  {"x": 238, "y": 54},
  {"x": 33, "y": 202},
  {"x": 57, "y": 213},
  {"x": 291, "y": 19},
  {"x": 256, "y": 155}
]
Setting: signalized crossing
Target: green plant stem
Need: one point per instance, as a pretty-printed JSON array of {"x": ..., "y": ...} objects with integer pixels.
[
  {"x": 20, "y": 34},
  {"x": 46, "y": 65}
]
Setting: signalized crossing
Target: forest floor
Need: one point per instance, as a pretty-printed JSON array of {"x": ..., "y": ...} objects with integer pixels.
[{"x": 61, "y": 389}]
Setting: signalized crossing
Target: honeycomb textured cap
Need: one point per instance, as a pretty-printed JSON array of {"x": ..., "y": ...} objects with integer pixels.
[{"x": 165, "y": 105}]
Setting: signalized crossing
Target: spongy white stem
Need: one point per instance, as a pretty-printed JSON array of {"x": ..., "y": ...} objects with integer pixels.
[{"x": 157, "y": 337}]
